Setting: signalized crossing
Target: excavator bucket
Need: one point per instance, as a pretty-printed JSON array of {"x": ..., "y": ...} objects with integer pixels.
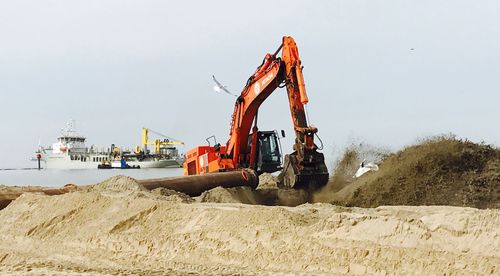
[{"x": 310, "y": 174}]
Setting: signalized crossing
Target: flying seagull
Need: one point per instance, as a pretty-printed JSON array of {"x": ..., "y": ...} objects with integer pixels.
[{"x": 219, "y": 87}]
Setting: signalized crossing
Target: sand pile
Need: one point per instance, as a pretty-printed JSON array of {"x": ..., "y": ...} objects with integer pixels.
[
  {"x": 119, "y": 183},
  {"x": 118, "y": 227},
  {"x": 440, "y": 171},
  {"x": 224, "y": 195},
  {"x": 108, "y": 231},
  {"x": 267, "y": 193},
  {"x": 172, "y": 195},
  {"x": 267, "y": 181}
]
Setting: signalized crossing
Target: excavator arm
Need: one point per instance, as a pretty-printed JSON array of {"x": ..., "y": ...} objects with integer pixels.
[{"x": 304, "y": 168}]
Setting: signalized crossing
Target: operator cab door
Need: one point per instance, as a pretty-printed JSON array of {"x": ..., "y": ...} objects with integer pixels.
[{"x": 268, "y": 152}]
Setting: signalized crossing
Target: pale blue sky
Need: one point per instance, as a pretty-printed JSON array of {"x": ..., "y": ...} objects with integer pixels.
[{"x": 115, "y": 66}]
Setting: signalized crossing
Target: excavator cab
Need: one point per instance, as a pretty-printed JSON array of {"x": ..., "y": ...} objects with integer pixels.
[{"x": 269, "y": 157}]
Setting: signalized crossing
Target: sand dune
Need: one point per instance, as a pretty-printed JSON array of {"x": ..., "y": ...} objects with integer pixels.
[{"x": 112, "y": 229}]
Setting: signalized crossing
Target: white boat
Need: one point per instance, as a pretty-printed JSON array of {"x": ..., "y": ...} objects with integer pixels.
[{"x": 71, "y": 152}]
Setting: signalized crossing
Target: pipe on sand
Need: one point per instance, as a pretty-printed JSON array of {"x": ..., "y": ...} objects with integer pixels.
[
  {"x": 9, "y": 195},
  {"x": 192, "y": 185}
]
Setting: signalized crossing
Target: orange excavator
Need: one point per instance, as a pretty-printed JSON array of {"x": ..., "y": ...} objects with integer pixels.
[{"x": 250, "y": 148}]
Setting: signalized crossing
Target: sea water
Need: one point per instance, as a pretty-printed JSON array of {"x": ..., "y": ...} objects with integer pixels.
[{"x": 59, "y": 178}]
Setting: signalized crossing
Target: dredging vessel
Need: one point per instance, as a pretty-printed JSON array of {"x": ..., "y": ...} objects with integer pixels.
[{"x": 71, "y": 152}]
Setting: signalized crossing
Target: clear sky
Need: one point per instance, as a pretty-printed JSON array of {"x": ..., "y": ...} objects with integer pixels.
[{"x": 383, "y": 72}]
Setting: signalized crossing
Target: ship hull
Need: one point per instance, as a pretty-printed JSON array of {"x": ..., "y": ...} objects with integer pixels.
[
  {"x": 65, "y": 162},
  {"x": 162, "y": 163}
]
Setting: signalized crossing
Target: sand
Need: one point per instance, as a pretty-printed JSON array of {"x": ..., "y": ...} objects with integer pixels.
[{"x": 118, "y": 228}]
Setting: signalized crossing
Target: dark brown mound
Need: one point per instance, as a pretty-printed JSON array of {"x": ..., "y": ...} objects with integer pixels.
[{"x": 439, "y": 171}]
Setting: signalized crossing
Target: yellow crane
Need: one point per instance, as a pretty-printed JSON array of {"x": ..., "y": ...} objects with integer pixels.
[{"x": 158, "y": 143}]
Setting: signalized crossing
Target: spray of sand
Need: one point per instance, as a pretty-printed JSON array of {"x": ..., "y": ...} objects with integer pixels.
[{"x": 437, "y": 171}]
